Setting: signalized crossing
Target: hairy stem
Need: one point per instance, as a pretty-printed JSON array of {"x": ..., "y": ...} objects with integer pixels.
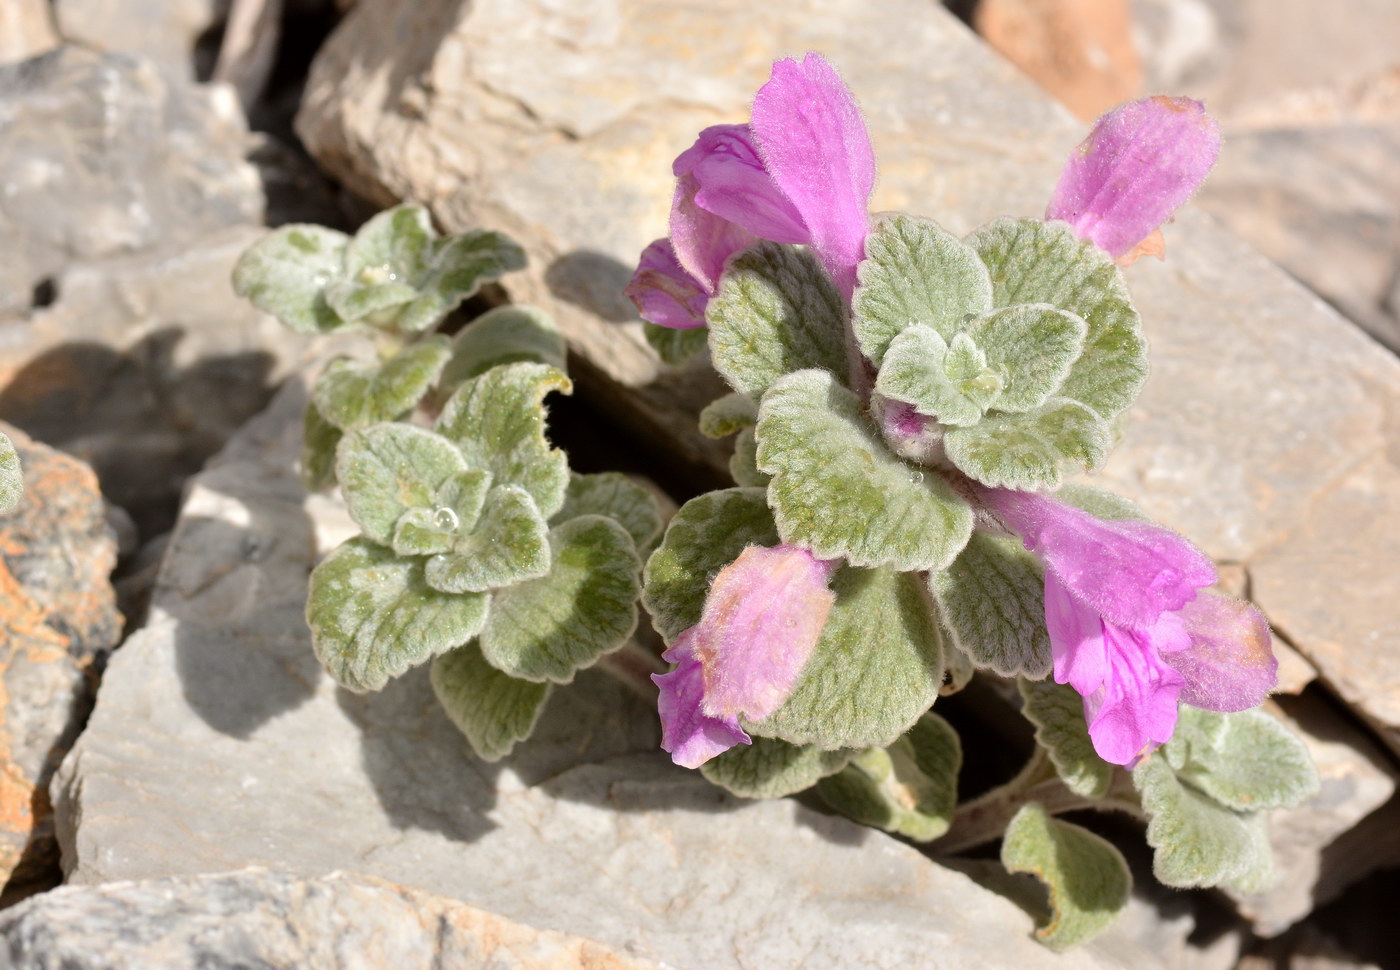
[{"x": 633, "y": 666}]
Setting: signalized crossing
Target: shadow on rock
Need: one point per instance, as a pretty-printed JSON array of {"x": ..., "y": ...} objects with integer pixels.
[{"x": 593, "y": 281}]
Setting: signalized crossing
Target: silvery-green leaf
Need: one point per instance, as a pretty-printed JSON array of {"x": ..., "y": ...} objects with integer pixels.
[
  {"x": 1029, "y": 451},
  {"x": 494, "y": 710},
  {"x": 952, "y": 384},
  {"x": 728, "y": 415},
  {"x": 705, "y": 535},
  {"x": 743, "y": 464},
  {"x": 505, "y": 335},
  {"x": 992, "y": 599},
  {"x": 838, "y": 491},
  {"x": 876, "y": 667},
  {"x": 355, "y": 394},
  {"x": 1100, "y": 502},
  {"x": 958, "y": 669},
  {"x": 1246, "y": 761},
  {"x": 319, "y": 439},
  {"x": 386, "y": 469},
  {"x": 910, "y": 787},
  {"x": 1198, "y": 841},
  {"x": 586, "y": 606},
  {"x": 394, "y": 245},
  {"x": 916, "y": 272},
  {"x": 1087, "y": 876},
  {"x": 11, "y": 476},
  {"x": 285, "y": 274},
  {"x": 619, "y": 498},
  {"x": 776, "y": 312},
  {"x": 497, "y": 419},
  {"x": 369, "y": 304},
  {"x": 372, "y": 616},
  {"x": 1259, "y": 877},
  {"x": 456, "y": 507},
  {"x": 1057, "y": 712},
  {"x": 509, "y": 544},
  {"x": 1032, "y": 346},
  {"x": 457, "y": 267},
  {"x": 1039, "y": 262},
  {"x": 769, "y": 768},
  {"x": 673, "y": 346}
]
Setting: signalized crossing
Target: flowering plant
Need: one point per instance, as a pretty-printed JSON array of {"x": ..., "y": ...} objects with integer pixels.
[
  {"x": 907, "y": 405},
  {"x": 480, "y": 551}
]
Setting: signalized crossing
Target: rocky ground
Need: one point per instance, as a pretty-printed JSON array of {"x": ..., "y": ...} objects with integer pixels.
[{"x": 171, "y": 753}]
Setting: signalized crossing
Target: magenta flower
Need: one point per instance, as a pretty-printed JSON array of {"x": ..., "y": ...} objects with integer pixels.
[
  {"x": 1141, "y": 161},
  {"x": 762, "y": 619},
  {"x": 1130, "y": 628},
  {"x": 802, "y": 172}
]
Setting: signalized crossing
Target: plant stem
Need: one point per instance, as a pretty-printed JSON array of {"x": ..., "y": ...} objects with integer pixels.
[{"x": 633, "y": 666}]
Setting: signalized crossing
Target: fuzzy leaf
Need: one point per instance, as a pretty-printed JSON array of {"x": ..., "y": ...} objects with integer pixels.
[
  {"x": 11, "y": 476},
  {"x": 1087, "y": 876},
  {"x": 1058, "y": 715},
  {"x": 704, "y": 536},
  {"x": 396, "y": 243},
  {"x": 619, "y": 498},
  {"x": 675, "y": 347},
  {"x": 1100, "y": 502},
  {"x": 1037, "y": 262},
  {"x": 505, "y": 335},
  {"x": 550, "y": 627},
  {"x": 458, "y": 266},
  {"x": 1246, "y": 761},
  {"x": 285, "y": 274},
  {"x": 910, "y": 787},
  {"x": 319, "y": 440},
  {"x": 950, "y": 383},
  {"x": 456, "y": 507},
  {"x": 743, "y": 464},
  {"x": 387, "y": 469},
  {"x": 509, "y": 544},
  {"x": 497, "y": 420},
  {"x": 776, "y": 312},
  {"x": 728, "y": 415},
  {"x": 354, "y": 394},
  {"x": 1198, "y": 841},
  {"x": 839, "y": 492},
  {"x": 1032, "y": 347},
  {"x": 372, "y": 616},
  {"x": 1259, "y": 877},
  {"x": 992, "y": 599},
  {"x": 916, "y": 272},
  {"x": 1028, "y": 451},
  {"x": 494, "y": 710},
  {"x": 875, "y": 669},
  {"x": 958, "y": 670},
  {"x": 769, "y": 768}
]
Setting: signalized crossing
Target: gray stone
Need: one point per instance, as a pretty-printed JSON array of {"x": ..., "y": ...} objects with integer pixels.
[
  {"x": 26, "y": 29},
  {"x": 257, "y": 918},
  {"x": 101, "y": 156},
  {"x": 217, "y": 743},
  {"x": 1266, "y": 433},
  {"x": 166, "y": 32}
]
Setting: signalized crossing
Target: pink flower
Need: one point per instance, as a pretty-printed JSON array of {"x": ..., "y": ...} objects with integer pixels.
[
  {"x": 802, "y": 172},
  {"x": 1130, "y": 628},
  {"x": 1141, "y": 161},
  {"x": 762, "y": 619}
]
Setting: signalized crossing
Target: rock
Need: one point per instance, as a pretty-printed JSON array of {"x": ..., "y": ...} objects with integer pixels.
[
  {"x": 274, "y": 919},
  {"x": 144, "y": 367},
  {"x": 1081, "y": 51},
  {"x": 1266, "y": 432},
  {"x": 101, "y": 156},
  {"x": 26, "y": 29},
  {"x": 57, "y": 616},
  {"x": 167, "y": 32},
  {"x": 214, "y": 722}
]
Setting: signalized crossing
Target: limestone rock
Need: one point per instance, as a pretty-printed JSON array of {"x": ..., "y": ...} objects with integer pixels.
[
  {"x": 57, "y": 614},
  {"x": 166, "y": 32},
  {"x": 273, "y": 919},
  {"x": 101, "y": 156},
  {"x": 26, "y": 29},
  {"x": 217, "y": 743}
]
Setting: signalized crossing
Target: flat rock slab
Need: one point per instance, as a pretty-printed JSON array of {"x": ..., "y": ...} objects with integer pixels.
[
  {"x": 257, "y": 918},
  {"x": 1267, "y": 432},
  {"x": 217, "y": 743}
]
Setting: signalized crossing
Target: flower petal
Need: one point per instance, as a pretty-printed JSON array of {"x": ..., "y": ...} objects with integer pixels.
[
  {"x": 1076, "y": 639},
  {"x": 1141, "y": 161},
  {"x": 664, "y": 293},
  {"x": 691, "y": 736},
  {"x": 1130, "y": 572},
  {"x": 1229, "y": 664},
  {"x": 703, "y": 241},
  {"x": 1136, "y": 707},
  {"x": 816, "y": 147},
  {"x": 762, "y": 618}
]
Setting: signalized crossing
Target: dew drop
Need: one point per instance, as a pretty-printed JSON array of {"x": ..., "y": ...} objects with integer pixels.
[{"x": 445, "y": 519}]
